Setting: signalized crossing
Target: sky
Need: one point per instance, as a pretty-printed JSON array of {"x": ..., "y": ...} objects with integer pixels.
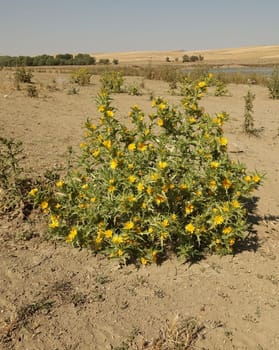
[{"x": 34, "y": 27}]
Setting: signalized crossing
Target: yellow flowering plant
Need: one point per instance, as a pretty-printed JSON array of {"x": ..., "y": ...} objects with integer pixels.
[{"x": 157, "y": 184}]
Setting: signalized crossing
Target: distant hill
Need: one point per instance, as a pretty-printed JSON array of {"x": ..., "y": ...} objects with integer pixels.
[{"x": 243, "y": 55}]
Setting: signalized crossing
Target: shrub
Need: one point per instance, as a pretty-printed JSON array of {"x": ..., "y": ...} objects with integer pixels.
[
  {"x": 164, "y": 184},
  {"x": 23, "y": 76},
  {"x": 134, "y": 90},
  {"x": 115, "y": 61},
  {"x": 273, "y": 84},
  {"x": 11, "y": 155},
  {"x": 220, "y": 88},
  {"x": 32, "y": 91},
  {"x": 81, "y": 76},
  {"x": 112, "y": 81},
  {"x": 248, "y": 125}
]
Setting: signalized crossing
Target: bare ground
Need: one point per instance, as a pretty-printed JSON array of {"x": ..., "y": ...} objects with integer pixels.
[{"x": 55, "y": 297}]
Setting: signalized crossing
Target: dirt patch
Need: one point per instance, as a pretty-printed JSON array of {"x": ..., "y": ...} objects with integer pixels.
[{"x": 55, "y": 297}]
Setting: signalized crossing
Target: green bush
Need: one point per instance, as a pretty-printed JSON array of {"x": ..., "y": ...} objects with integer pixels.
[
  {"x": 273, "y": 84},
  {"x": 165, "y": 184},
  {"x": 81, "y": 76},
  {"x": 23, "y": 76},
  {"x": 112, "y": 81}
]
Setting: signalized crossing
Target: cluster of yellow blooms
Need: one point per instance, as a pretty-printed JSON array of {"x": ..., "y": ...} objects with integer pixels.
[{"x": 140, "y": 192}]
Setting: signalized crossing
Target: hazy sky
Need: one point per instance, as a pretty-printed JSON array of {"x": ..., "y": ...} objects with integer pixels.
[{"x": 33, "y": 27}]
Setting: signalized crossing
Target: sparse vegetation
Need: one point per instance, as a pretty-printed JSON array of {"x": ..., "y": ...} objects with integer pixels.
[
  {"x": 81, "y": 76},
  {"x": 112, "y": 81},
  {"x": 273, "y": 84},
  {"x": 23, "y": 76},
  {"x": 248, "y": 125}
]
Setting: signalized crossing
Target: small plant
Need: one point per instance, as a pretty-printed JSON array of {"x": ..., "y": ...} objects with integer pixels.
[
  {"x": 115, "y": 61},
  {"x": 23, "y": 76},
  {"x": 73, "y": 91},
  {"x": 11, "y": 155},
  {"x": 159, "y": 184},
  {"x": 134, "y": 90},
  {"x": 273, "y": 84},
  {"x": 112, "y": 81},
  {"x": 248, "y": 125},
  {"x": 81, "y": 76},
  {"x": 32, "y": 91},
  {"x": 220, "y": 88}
]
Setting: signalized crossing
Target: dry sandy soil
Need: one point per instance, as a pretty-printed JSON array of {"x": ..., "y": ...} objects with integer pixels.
[
  {"x": 55, "y": 297},
  {"x": 243, "y": 55}
]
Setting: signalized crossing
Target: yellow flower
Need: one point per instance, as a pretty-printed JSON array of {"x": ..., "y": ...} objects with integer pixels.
[
  {"x": 108, "y": 233},
  {"x": 72, "y": 235},
  {"x": 218, "y": 220},
  {"x": 131, "y": 147},
  {"x": 183, "y": 187},
  {"x": 160, "y": 199},
  {"x": 214, "y": 165},
  {"x": 223, "y": 141},
  {"x": 227, "y": 184},
  {"x": 130, "y": 166},
  {"x": 160, "y": 122},
  {"x": 84, "y": 187},
  {"x": 155, "y": 177},
  {"x": 114, "y": 164},
  {"x": 93, "y": 199},
  {"x": 140, "y": 187},
  {"x": 101, "y": 108},
  {"x": 231, "y": 241},
  {"x": 212, "y": 185},
  {"x": 59, "y": 184},
  {"x": 57, "y": 206},
  {"x": 235, "y": 204},
  {"x": 247, "y": 178},
  {"x": 142, "y": 147},
  {"x": 162, "y": 165},
  {"x": 256, "y": 178},
  {"x": 144, "y": 205},
  {"x": 111, "y": 189},
  {"x": 143, "y": 261},
  {"x": 146, "y": 132},
  {"x": 33, "y": 192},
  {"x": 189, "y": 208},
  {"x": 165, "y": 223},
  {"x": 98, "y": 239},
  {"x": 110, "y": 114},
  {"x": 131, "y": 198},
  {"x": 120, "y": 252},
  {"x": 92, "y": 126},
  {"x": 218, "y": 241},
  {"x": 107, "y": 144},
  {"x": 173, "y": 217},
  {"x": 227, "y": 230},
  {"x": 190, "y": 228},
  {"x": 117, "y": 239},
  {"x": 54, "y": 222},
  {"x": 163, "y": 235},
  {"x": 162, "y": 106},
  {"x": 96, "y": 153},
  {"x": 132, "y": 179},
  {"x": 149, "y": 190},
  {"x": 201, "y": 84},
  {"x": 44, "y": 205},
  {"x": 83, "y": 145},
  {"x": 129, "y": 225},
  {"x": 191, "y": 120}
]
